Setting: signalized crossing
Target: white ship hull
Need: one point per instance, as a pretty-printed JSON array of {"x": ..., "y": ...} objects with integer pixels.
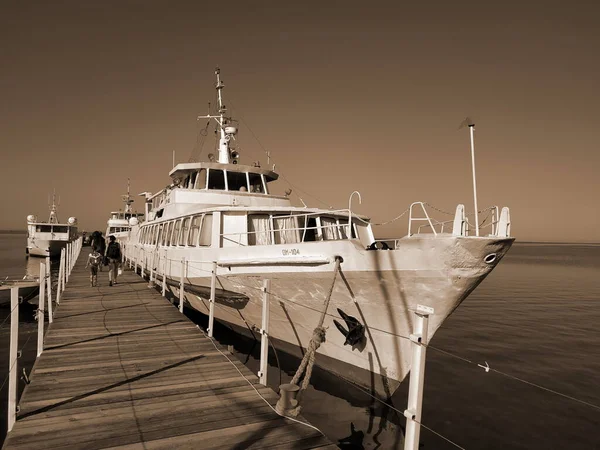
[
  {"x": 45, "y": 247},
  {"x": 379, "y": 288}
]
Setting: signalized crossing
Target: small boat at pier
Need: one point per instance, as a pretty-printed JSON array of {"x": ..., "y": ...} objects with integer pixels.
[
  {"x": 28, "y": 288},
  {"x": 119, "y": 223},
  {"x": 49, "y": 238}
]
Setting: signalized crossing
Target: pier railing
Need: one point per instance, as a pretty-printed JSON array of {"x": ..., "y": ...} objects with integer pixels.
[{"x": 68, "y": 257}]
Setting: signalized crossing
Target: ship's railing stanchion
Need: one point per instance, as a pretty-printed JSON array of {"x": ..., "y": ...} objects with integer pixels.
[
  {"x": 164, "y": 276},
  {"x": 264, "y": 334},
  {"x": 181, "y": 285},
  {"x": 12, "y": 360},
  {"x": 48, "y": 277},
  {"x": 59, "y": 284},
  {"x": 413, "y": 411},
  {"x": 151, "y": 278},
  {"x": 40, "y": 310},
  {"x": 67, "y": 263},
  {"x": 213, "y": 286},
  {"x": 63, "y": 256},
  {"x": 142, "y": 272}
]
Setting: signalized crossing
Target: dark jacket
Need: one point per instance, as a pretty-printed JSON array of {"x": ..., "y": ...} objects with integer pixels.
[{"x": 113, "y": 250}]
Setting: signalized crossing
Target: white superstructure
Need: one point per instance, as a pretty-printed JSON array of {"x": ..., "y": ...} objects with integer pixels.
[
  {"x": 119, "y": 222},
  {"x": 221, "y": 212},
  {"x": 48, "y": 238}
]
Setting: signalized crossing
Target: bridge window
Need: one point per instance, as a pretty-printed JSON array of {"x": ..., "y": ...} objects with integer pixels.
[
  {"x": 216, "y": 179},
  {"x": 200, "y": 179},
  {"x": 256, "y": 183},
  {"x": 236, "y": 181}
]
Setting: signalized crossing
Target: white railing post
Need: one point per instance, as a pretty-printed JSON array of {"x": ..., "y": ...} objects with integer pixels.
[
  {"x": 164, "y": 277},
  {"x": 12, "y": 360},
  {"x": 63, "y": 256},
  {"x": 49, "y": 289},
  {"x": 181, "y": 285},
  {"x": 264, "y": 332},
  {"x": 213, "y": 286},
  {"x": 417, "y": 378},
  {"x": 40, "y": 312},
  {"x": 143, "y": 264},
  {"x": 67, "y": 263},
  {"x": 59, "y": 284},
  {"x": 151, "y": 278}
]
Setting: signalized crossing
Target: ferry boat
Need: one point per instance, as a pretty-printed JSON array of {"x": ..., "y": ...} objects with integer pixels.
[
  {"x": 221, "y": 213},
  {"x": 48, "y": 238},
  {"x": 118, "y": 224}
]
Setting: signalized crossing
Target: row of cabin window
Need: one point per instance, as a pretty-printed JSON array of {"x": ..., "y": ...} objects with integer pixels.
[
  {"x": 264, "y": 229},
  {"x": 189, "y": 231},
  {"x": 216, "y": 179},
  {"x": 51, "y": 229},
  {"x": 117, "y": 229}
]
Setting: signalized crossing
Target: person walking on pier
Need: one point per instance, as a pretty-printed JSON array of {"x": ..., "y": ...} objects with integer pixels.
[
  {"x": 98, "y": 244},
  {"x": 94, "y": 262},
  {"x": 113, "y": 253}
]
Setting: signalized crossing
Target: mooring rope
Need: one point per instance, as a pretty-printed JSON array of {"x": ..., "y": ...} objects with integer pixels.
[{"x": 318, "y": 337}]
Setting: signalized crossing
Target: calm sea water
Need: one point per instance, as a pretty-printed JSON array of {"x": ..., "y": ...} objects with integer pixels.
[{"x": 535, "y": 318}]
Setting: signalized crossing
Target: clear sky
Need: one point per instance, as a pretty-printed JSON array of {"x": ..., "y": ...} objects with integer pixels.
[{"x": 346, "y": 96}]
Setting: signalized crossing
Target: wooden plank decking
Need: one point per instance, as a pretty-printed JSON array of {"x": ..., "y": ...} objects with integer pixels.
[{"x": 123, "y": 369}]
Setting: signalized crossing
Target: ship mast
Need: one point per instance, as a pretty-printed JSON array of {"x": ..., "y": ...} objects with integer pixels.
[
  {"x": 226, "y": 131},
  {"x": 53, "y": 216},
  {"x": 127, "y": 199}
]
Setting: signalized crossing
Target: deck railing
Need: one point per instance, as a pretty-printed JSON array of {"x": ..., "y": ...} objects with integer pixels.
[{"x": 67, "y": 261}]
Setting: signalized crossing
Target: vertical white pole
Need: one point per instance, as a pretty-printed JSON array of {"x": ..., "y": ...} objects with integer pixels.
[
  {"x": 417, "y": 378},
  {"x": 67, "y": 263},
  {"x": 264, "y": 339},
  {"x": 181, "y": 285},
  {"x": 213, "y": 286},
  {"x": 59, "y": 281},
  {"x": 471, "y": 128},
  {"x": 143, "y": 264},
  {"x": 63, "y": 256},
  {"x": 41, "y": 299},
  {"x": 164, "y": 276},
  {"x": 49, "y": 289},
  {"x": 151, "y": 270},
  {"x": 12, "y": 360}
]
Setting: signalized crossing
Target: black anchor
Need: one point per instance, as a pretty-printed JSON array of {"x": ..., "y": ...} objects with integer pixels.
[{"x": 355, "y": 332}]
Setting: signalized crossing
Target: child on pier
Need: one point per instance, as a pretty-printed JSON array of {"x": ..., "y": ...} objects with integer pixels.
[{"x": 93, "y": 262}]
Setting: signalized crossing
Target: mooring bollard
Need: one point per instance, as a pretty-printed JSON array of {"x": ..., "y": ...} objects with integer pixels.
[
  {"x": 287, "y": 400},
  {"x": 12, "y": 360},
  {"x": 264, "y": 334},
  {"x": 417, "y": 378},
  {"x": 213, "y": 287}
]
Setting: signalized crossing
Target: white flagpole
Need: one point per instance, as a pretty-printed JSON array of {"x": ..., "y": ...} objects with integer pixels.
[{"x": 471, "y": 129}]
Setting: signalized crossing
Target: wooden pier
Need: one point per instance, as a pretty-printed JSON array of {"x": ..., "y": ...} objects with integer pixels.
[{"x": 123, "y": 369}]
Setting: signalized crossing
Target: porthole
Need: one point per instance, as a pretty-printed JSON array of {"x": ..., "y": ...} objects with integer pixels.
[{"x": 489, "y": 259}]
